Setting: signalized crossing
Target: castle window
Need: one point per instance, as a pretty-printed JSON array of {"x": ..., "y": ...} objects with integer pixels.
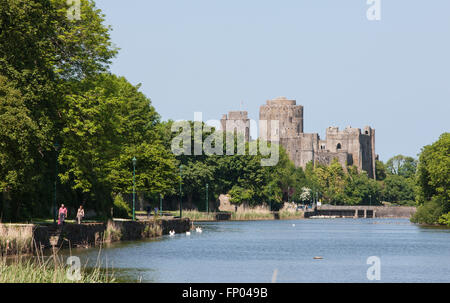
[
  {"x": 367, "y": 132},
  {"x": 339, "y": 146}
]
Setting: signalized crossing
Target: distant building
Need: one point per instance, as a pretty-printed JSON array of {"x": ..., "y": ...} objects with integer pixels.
[{"x": 350, "y": 146}]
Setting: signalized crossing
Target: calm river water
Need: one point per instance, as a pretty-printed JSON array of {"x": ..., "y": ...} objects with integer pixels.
[{"x": 251, "y": 252}]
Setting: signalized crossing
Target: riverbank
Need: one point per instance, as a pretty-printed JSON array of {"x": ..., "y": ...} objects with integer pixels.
[{"x": 22, "y": 239}]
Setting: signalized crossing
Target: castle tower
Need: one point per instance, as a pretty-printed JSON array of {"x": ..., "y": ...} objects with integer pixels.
[
  {"x": 350, "y": 146},
  {"x": 289, "y": 115},
  {"x": 237, "y": 122}
]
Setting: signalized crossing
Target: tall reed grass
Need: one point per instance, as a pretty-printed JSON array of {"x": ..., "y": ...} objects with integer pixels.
[
  {"x": 252, "y": 215},
  {"x": 195, "y": 215},
  {"x": 49, "y": 269},
  {"x": 285, "y": 215},
  {"x": 16, "y": 238}
]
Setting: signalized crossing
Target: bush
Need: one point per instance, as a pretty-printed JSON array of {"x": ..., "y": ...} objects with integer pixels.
[
  {"x": 445, "y": 219},
  {"x": 428, "y": 213},
  {"x": 121, "y": 209}
]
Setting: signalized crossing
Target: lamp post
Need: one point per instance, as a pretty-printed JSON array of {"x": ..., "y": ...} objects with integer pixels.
[
  {"x": 289, "y": 190},
  {"x": 181, "y": 199},
  {"x": 160, "y": 204},
  {"x": 370, "y": 200},
  {"x": 270, "y": 198},
  {"x": 207, "y": 198},
  {"x": 56, "y": 146},
  {"x": 134, "y": 186}
]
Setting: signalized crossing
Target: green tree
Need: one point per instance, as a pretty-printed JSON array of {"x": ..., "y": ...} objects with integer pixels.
[
  {"x": 107, "y": 123},
  {"x": 398, "y": 189},
  {"x": 433, "y": 181},
  {"x": 380, "y": 169},
  {"x": 44, "y": 54},
  {"x": 17, "y": 132},
  {"x": 402, "y": 166}
]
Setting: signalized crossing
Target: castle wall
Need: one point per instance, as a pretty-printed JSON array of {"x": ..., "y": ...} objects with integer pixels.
[
  {"x": 327, "y": 157},
  {"x": 360, "y": 145},
  {"x": 347, "y": 140},
  {"x": 302, "y": 148}
]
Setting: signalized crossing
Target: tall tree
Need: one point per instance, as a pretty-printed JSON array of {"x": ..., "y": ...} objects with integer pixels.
[{"x": 402, "y": 166}]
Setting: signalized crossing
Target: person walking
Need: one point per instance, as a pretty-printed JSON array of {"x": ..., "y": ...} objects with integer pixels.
[
  {"x": 62, "y": 215},
  {"x": 80, "y": 214}
]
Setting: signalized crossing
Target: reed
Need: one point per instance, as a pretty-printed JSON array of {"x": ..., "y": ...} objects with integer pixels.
[
  {"x": 49, "y": 269},
  {"x": 195, "y": 215},
  {"x": 16, "y": 238},
  {"x": 252, "y": 215},
  {"x": 152, "y": 231},
  {"x": 112, "y": 233},
  {"x": 285, "y": 215}
]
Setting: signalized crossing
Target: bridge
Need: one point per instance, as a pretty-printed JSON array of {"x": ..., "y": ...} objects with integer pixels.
[{"x": 364, "y": 211}]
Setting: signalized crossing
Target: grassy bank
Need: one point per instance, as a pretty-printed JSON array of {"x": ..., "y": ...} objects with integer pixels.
[
  {"x": 52, "y": 269},
  {"x": 252, "y": 215}
]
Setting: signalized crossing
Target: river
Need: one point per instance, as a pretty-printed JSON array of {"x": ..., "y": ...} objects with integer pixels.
[{"x": 252, "y": 251}]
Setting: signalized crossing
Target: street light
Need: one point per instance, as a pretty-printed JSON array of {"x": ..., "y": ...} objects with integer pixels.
[
  {"x": 56, "y": 146},
  {"x": 207, "y": 198},
  {"x": 181, "y": 199},
  {"x": 370, "y": 199},
  {"x": 160, "y": 204},
  {"x": 270, "y": 198},
  {"x": 134, "y": 186}
]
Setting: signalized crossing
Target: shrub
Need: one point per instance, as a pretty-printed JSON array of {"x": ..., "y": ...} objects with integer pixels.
[
  {"x": 428, "y": 213},
  {"x": 445, "y": 219},
  {"x": 121, "y": 209}
]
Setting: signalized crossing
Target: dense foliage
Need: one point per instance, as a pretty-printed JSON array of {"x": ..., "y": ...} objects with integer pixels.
[
  {"x": 64, "y": 118},
  {"x": 433, "y": 183}
]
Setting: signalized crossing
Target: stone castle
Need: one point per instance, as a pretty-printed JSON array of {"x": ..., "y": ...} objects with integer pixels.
[{"x": 350, "y": 146}]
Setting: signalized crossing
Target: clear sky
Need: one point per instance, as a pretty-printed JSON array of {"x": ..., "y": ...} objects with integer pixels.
[{"x": 211, "y": 55}]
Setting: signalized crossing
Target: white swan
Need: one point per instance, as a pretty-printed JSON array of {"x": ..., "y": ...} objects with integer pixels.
[
  {"x": 172, "y": 233},
  {"x": 188, "y": 233},
  {"x": 198, "y": 229}
]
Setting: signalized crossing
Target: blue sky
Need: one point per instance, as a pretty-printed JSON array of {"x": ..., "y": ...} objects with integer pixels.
[{"x": 211, "y": 55}]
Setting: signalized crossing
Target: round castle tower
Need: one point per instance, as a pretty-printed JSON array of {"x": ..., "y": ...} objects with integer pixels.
[{"x": 287, "y": 112}]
